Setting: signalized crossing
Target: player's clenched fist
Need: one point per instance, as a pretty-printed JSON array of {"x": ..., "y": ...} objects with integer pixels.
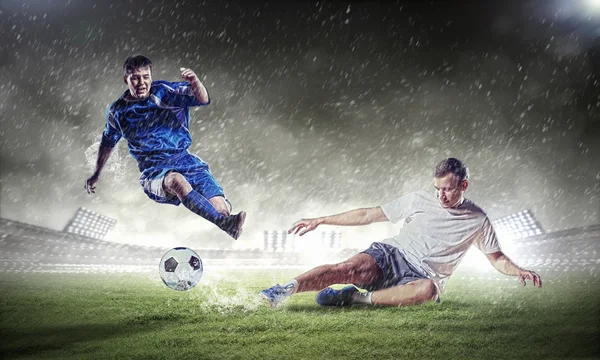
[{"x": 188, "y": 74}]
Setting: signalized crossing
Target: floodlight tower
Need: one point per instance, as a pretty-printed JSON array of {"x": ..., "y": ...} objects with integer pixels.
[
  {"x": 593, "y": 5},
  {"x": 88, "y": 223}
]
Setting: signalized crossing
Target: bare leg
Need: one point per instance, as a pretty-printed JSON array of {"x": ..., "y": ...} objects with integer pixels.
[
  {"x": 414, "y": 293},
  {"x": 221, "y": 205},
  {"x": 215, "y": 210},
  {"x": 176, "y": 184},
  {"x": 359, "y": 269}
]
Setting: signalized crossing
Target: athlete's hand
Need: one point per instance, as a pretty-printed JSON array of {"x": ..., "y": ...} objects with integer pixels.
[
  {"x": 525, "y": 275},
  {"x": 188, "y": 75},
  {"x": 90, "y": 184},
  {"x": 303, "y": 226}
]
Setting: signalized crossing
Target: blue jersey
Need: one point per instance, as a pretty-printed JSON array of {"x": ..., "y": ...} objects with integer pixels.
[{"x": 157, "y": 127}]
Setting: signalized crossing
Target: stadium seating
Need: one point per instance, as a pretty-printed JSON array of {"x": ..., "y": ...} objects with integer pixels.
[{"x": 25, "y": 247}]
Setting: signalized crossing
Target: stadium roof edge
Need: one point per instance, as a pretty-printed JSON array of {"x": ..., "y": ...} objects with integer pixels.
[{"x": 562, "y": 233}]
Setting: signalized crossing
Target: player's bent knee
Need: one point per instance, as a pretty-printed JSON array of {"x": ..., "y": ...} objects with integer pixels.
[
  {"x": 176, "y": 184},
  {"x": 171, "y": 180},
  {"x": 427, "y": 290},
  {"x": 174, "y": 180}
]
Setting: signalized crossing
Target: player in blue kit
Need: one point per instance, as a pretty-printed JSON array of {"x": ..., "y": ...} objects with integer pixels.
[{"x": 154, "y": 118}]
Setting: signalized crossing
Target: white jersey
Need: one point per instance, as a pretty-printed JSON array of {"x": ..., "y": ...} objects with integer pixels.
[{"x": 435, "y": 239}]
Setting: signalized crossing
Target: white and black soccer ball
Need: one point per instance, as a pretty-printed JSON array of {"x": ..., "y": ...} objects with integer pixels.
[{"x": 180, "y": 268}]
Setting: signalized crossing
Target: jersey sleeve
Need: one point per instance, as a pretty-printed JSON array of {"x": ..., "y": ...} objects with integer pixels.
[
  {"x": 487, "y": 241},
  {"x": 111, "y": 134},
  {"x": 399, "y": 208},
  {"x": 180, "y": 94}
]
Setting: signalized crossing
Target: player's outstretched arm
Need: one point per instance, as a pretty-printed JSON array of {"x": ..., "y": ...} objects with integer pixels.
[
  {"x": 363, "y": 216},
  {"x": 103, "y": 155},
  {"x": 503, "y": 264},
  {"x": 199, "y": 90}
]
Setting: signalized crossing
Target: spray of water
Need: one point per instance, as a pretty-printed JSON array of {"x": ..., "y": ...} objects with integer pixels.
[
  {"x": 225, "y": 295},
  {"x": 115, "y": 168}
]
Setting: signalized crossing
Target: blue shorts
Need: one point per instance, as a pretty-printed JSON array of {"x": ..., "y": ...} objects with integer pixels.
[
  {"x": 396, "y": 270},
  {"x": 193, "y": 169}
]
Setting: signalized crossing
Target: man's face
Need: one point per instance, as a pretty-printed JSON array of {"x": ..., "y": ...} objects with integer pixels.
[
  {"x": 139, "y": 82},
  {"x": 450, "y": 190}
]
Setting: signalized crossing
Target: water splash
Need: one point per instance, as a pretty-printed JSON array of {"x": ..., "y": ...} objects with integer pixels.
[
  {"x": 225, "y": 296},
  {"x": 115, "y": 167}
]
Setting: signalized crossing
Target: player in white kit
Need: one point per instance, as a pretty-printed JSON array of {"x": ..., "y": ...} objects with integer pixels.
[{"x": 412, "y": 267}]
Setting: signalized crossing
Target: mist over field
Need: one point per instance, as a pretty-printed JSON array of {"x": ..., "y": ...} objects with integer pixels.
[{"x": 316, "y": 109}]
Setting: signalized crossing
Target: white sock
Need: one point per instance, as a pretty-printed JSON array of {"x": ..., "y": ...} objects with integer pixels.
[
  {"x": 361, "y": 298},
  {"x": 291, "y": 286}
]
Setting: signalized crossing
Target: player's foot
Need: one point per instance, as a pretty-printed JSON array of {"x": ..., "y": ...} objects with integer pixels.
[
  {"x": 233, "y": 224},
  {"x": 331, "y": 297},
  {"x": 275, "y": 294}
]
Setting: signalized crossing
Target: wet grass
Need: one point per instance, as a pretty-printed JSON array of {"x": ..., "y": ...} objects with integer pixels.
[{"x": 134, "y": 316}]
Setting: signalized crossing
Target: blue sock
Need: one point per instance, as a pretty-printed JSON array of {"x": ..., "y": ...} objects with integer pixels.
[{"x": 201, "y": 206}]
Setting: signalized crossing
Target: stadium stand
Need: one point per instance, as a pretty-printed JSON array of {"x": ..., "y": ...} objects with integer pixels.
[{"x": 29, "y": 248}]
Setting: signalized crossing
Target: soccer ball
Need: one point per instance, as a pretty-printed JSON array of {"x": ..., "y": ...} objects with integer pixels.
[{"x": 180, "y": 268}]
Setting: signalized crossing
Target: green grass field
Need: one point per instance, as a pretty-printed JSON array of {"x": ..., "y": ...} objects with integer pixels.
[{"x": 134, "y": 316}]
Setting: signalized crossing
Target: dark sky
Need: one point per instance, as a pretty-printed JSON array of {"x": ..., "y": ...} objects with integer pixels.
[{"x": 317, "y": 108}]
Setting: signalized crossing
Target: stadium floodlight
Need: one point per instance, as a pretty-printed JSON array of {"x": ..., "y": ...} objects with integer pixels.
[
  {"x": 275, "y": 241},
  {"x": 331, "y": 239},
  {"x": 281, "y": 241},
  {"x": 88, "y": 223},
  {"x": 517, "y": 226},
  {"x": 508, "y": 229},
  {"x": 593, "y": 4}
]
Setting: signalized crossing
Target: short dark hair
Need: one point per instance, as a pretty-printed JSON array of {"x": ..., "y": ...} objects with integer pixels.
[
  {"x": 454, "y": 166},
  {"x": 136, "y": 62}
]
